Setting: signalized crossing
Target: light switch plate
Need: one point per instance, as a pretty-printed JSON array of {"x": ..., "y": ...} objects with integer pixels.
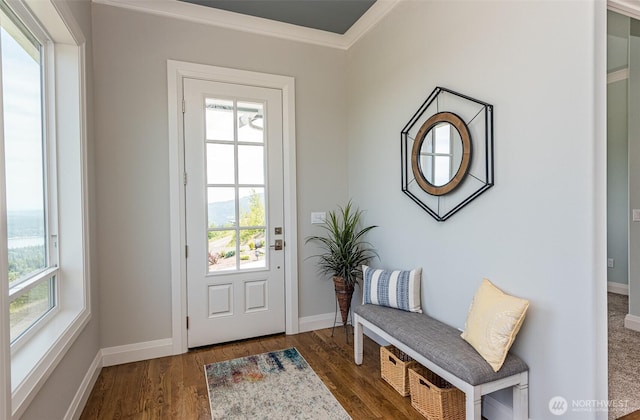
[
  {"x": 610, "y": 262},
  {"x": 636, "y": 215},
  {"x": 318, "y": 217}
]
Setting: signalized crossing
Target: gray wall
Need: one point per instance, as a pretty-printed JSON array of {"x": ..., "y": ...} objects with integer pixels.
[
  {"x": 131, "y": 51},
  {"x": 634, "y": 166},
  {"x": 54, "y": 398},
  {"x": 533, "y": 233},
  {"x": 617, "y": 153}
]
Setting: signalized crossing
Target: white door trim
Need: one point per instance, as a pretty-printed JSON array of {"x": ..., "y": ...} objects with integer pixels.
[{"x": 176, "y": 71}]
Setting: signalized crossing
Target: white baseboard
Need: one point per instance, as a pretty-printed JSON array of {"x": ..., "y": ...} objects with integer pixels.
[
  {"x": 135, "y": 352},
  {"x": 618, "y": 288},
  {"x": 493, "y": 409},
  {"x": 318, "y": 322},
  {"x": 85, "y": 388},
  {"x": 632, "y": 322},
  {"x": 114, "y": 356}
]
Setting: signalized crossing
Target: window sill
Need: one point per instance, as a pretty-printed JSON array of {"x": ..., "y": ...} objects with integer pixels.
[{"x": 36, "y": 359}]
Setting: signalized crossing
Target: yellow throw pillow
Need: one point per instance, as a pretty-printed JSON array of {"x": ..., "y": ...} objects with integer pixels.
[{"x": 493, "y": 321}]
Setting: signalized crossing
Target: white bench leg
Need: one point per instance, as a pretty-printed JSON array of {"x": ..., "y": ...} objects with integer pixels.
[
  {"x": 473, "y": 403},
  {"x": 521, "y": 398},
  {"x": 357, "y": 339}
]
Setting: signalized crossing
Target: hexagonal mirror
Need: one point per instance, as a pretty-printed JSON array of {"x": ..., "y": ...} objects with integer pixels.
[{"x": 447, "y": 152}]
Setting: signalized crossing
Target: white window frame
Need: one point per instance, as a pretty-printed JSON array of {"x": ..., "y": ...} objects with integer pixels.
[
  {"x": 50, "y": 175},
  {"x": 25, "y": 368},
  {"x": 50, "y": 272}
]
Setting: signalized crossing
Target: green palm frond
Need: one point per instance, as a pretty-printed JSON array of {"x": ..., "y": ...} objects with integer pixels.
[{"x": 344, "y": 248}]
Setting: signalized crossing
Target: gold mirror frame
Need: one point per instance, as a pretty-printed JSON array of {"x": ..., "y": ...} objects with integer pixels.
[{"x": 458, "y": 123}]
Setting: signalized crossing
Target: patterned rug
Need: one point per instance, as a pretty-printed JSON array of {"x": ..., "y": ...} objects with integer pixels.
[{"x": 274, "y": 385}]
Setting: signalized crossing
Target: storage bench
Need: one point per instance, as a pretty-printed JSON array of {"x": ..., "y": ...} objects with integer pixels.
[{"x": 440, "y": 348}]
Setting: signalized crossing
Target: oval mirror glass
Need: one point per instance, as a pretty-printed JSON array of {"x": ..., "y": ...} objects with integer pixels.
[{"x": 441, "y": 153}]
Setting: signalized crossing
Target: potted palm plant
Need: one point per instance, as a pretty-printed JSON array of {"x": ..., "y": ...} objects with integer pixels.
[{"x": 344, "y": 251}]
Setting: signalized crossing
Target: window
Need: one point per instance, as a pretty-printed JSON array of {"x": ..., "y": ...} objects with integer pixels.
[
  {"x": 44, "y": 291},
  {"x": 31, "y": 260}
]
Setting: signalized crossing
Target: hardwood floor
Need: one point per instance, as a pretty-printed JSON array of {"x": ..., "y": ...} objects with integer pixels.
[
  {"x": 631, "y": 416},
  {"x": 174, "y": 387}
]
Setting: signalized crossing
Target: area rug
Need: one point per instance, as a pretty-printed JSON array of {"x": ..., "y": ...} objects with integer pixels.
[{"x": 274, "y": 385}]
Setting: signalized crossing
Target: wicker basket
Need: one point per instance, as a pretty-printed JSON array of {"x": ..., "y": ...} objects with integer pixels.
[
  {"x": 434, "y": 397},
  {"x": 393, "y": 368}
]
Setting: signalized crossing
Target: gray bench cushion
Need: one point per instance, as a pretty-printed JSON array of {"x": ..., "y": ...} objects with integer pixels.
[{"x": 440, "y": 343}]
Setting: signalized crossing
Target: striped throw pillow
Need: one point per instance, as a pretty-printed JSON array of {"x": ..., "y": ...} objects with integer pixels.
[{"x": 395, "y": 289}]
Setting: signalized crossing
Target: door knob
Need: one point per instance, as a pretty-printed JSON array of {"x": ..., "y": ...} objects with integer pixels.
[{"x": 278, "y": 245}]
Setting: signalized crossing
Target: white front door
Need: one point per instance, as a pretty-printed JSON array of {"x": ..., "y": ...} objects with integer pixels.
[{"x": 234, "y": 211}]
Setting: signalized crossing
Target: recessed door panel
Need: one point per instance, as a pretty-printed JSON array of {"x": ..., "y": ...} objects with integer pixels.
[
  {"x": 220, "y": 300},
  {"x": 255, "y": 295}
]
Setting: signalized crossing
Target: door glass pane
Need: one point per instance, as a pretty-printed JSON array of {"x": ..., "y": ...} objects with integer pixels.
[
  {"x": 250, "y": 122},
  {"x": 252, "y": 248},
  {"x": 222, "y": 250},
  {"x": 221, "y": 207},
  {"x": 220, "y": 164},
  {"x": 252, "y": 216},
  {"x": 24, "y": 152},
  {"x": 251, "y": 165},
  {"x": 30, "y": 307},
  {"x": 252, "y": 207},
  {"x": 244, "y": 198},
  {"x": 219, "y": 119}
]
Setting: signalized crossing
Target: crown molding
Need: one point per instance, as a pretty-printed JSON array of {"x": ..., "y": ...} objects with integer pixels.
[
  {"x": 245, "y": 23},
  {"x": 368, "y": 21},
  {"x": 629, "y": 8}
]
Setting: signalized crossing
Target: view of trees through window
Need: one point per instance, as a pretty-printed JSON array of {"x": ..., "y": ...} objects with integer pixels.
[
  {"x": 25, "y": 179},
  {"x": 26, "y": 244},
  {"x": 222, "y": 242},
  {"x": 26, "y": 255}
]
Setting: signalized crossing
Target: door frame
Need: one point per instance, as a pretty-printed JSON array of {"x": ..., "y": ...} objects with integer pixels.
[{"x": 176, "y": 72}]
